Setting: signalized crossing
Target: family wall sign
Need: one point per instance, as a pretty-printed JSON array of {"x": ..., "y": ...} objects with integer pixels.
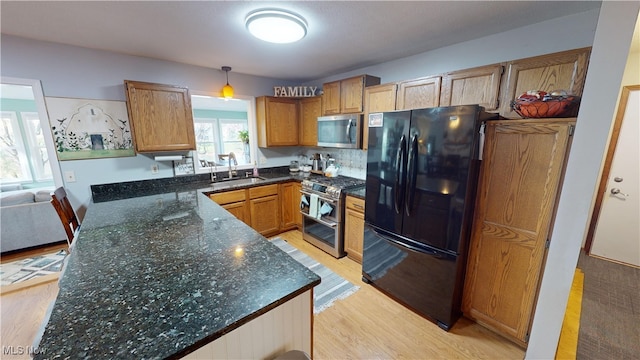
[{"x": 294, "y": 91}]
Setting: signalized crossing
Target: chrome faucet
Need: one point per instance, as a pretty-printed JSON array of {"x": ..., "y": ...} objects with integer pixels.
[{"x": 235, "y": 162}]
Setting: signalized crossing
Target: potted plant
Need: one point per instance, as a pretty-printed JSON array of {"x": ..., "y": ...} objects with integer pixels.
[{"x": 244, "y": 137}]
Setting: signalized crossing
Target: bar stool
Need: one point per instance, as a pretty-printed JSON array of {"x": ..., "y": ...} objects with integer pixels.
[{"x": 66, "y": 213}]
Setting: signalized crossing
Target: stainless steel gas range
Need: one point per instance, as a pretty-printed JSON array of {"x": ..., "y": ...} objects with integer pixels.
[{"x": 322, "y": 207}]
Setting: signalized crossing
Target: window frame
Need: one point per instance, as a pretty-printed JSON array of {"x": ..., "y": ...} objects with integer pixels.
[{"x": 251, "y": 127}]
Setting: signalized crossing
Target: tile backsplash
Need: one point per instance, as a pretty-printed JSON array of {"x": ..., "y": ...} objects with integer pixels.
[{"x": 352, "y": 162}]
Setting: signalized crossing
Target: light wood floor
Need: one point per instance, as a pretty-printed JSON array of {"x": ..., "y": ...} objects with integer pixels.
[{"x": 367, "y": 324}]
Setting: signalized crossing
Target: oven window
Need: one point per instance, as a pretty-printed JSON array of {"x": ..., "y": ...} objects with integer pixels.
[{"x": 320, "y": 231}]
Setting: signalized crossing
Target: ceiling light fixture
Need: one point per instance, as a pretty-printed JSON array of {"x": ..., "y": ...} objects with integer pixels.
[
  {"x": 227, "y": 90},
  {"x": 276, "y": 26}
]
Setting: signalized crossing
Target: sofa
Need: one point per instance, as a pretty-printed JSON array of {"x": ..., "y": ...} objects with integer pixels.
[{"x": 28, "y": 219}]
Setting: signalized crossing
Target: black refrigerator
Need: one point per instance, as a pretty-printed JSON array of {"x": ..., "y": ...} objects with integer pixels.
[{"x": 422, "y": 170}]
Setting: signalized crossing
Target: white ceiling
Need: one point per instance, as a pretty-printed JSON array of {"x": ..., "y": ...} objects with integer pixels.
[{"x": 342, "y": 36}]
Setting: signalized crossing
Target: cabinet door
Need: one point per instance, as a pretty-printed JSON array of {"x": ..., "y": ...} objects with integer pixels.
[
  {"x": 519, "y": 184},
  {"x": 239, "y": 210},
  {"x": 351, "y": 92},
  {"x": 559, "y": 71},
  {"x": 265, "y": 215},
  {"x": 419, "y": 93},
  {"x": 377, "y": 98},
  {"x": 277, "y": 121},
  {"x": 354, "y": 228},
  {"x": 473, "y": 86},
  {"x": 310, "y": 109},
  {"x": 331, "y": 98},
  {"x": 297, "y": 216},
  {"x": 160, "y": 116},
  {"x": 289, "y": 205}
]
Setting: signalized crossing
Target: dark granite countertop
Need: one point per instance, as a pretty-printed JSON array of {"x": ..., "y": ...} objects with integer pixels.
[
  {"x": 125, "y": 190},
  {"x": 358, "y": 192},
  {"x": 158, "y": 276}
]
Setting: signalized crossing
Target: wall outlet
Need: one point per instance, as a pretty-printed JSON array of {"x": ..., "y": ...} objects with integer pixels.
[
  {"x": 154, "y": 169},
  {"x": 263, "y": 160},
  {"x": 70, "y": 176}
]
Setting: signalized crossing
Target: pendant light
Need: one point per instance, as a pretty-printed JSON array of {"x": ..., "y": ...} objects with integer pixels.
[{"x": 227, "y": 90}]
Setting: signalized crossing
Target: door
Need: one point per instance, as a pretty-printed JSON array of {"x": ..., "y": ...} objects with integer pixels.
[
  {"x": 615, "y": 232},
  {"x": 386, "y": 169},
  {"x": 442, "y": 149}
]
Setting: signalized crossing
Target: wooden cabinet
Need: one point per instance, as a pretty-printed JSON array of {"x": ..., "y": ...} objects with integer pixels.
[
  {"x": 346, "y": 96},
  {"x": 234, "y": 202},
  {"x": 277, "y": 121},
  {"x": 310, "y": 109},
  {"x": 290, "y": 206},
  {"x": 419, "y": 93},
  {"x": 354, "y": 228},
  {"x": 519, "y": 184},
  {"x": 160, "y": 116},
  {"x": 264, "y": 209},
  {"x": 559, "y": 71},
  {"x": 377, "y": 98},
  {"x": 479, "y": 85}
]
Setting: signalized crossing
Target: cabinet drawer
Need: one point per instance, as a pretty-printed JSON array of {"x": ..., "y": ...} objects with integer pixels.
[
  {"x": 260, "y": 191},
  {"x": 228, "y": 197},
  {"x": 355, "y": 204}
]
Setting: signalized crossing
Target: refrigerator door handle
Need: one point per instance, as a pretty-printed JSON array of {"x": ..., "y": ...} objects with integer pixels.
[
  {"x": 407, "y": 246},
  {"x": 481, "y": 141},
  {"x": 400, "y": 174},
  {"x": 412, "y": 173}
]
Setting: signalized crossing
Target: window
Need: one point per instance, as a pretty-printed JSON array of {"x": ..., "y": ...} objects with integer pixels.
[
  {"x": 27, "y": 152},
  {"x": 221, "y": 127}
]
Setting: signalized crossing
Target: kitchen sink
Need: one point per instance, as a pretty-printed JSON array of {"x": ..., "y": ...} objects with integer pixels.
[{"x": 235, "y": 182}]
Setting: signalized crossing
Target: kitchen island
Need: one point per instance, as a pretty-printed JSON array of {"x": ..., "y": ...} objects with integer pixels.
[{"x": 164, "y": 275}]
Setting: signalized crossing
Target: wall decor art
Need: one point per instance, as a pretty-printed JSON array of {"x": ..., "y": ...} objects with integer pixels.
[{"x": 89, "y": 129}]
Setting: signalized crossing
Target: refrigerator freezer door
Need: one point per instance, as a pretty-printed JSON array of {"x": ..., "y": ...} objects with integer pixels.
[
  {"x": 422, "y": 279},
  {"x": 386, "y": 170},
  {"x": 442, "y": 168}
]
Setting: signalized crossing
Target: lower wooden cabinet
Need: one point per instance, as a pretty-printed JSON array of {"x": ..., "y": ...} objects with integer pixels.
[
  {"x": 519, "y": 185},
  {"x": 268, "y": 209},
  {"x": 354, "y": 228},
  {"x": 290, "y": 206},
  {"x": 235, "y": 202},
  {"x": 239, "y": 210},
  {"x": 265, "y": 217}
]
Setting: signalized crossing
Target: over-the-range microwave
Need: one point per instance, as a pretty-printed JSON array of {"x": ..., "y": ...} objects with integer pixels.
[{"x": 340, "y": 131}]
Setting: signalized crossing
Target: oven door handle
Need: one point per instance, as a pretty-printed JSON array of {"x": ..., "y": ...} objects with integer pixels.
[{"x": 330, "y": 224}]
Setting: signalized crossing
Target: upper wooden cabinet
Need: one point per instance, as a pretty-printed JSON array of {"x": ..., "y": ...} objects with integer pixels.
[
  {"x": 565, "y": 70},
  {"x": 419, "y": 93},
  {"x": 277, "y": 121},
  {"x": 520, "y": 181},
  {"x": 472, "y": 86},
  {"x": 160, "y": 116},
  {"x": 310, "y": 109},
  {"x": 346, "y": 96},
  {"x": 377, "y": 98}
]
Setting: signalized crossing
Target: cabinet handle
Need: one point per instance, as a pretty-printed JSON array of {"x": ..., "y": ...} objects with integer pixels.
[{"x": 358, "y": 206}]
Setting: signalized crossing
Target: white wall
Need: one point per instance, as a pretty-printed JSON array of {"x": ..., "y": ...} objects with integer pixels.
[
  {"x": 606, "y": 66},
  {"x": 564, "y": 33}
]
